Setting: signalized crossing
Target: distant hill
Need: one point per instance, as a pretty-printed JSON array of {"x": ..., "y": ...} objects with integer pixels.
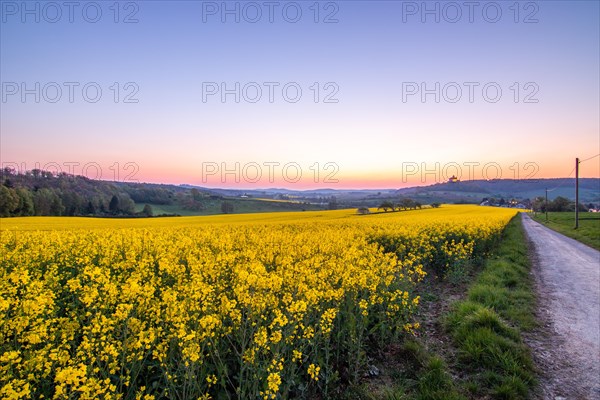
[
  {"x": 457, "y": 192},
  {"x": 474, "y": 191}
]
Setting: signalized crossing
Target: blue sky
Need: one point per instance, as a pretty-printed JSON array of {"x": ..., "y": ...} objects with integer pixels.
[{"x": 368, "y": 58}]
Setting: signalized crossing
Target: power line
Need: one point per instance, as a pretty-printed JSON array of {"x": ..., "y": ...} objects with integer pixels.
[
  {"x": 571, "y": 173},
  {"x": 564, "y": 181},
  {"x": 580, "y": 161}
]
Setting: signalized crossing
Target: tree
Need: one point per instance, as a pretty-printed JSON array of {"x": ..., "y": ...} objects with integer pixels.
[
  {"x": 226, "y": 207},
  {"x": 90, "y": 208},
  {"x": 435, "y": 205},
  {"x": 539, "y": 204},
  {"x": 25, "y": 202},
  {"x": 102, "y": 206},
  {"x": 9, "y": 201},
  {"x": 560, "y": 204},
  {"x": 113, "y": 206},
  {"x": 332, "y": 205},
  {"x": 7, "y": 171},
  {"x": 126, "y": 205},
  {"x": 73, "y": 203},
  {"x": 189, "y": 202},
  {"x": 47, "y": 202},
  {"x": 407, "y": 203},
  {"x": 196, "y": 194},
  {"x": 56, "y": 204},
  {"x": 147, "y": 211},
  {"x": 386, "y": 205}
]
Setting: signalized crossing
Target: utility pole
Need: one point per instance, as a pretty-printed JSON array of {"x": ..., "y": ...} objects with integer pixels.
[
  {"x": 577, "y": 193},
  {"x": 546, "y": 204}
]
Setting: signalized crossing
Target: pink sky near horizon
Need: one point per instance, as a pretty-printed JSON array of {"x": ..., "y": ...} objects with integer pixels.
[
  {"x": 371, "y": 133},
  {"x": 284, "y": 175}
]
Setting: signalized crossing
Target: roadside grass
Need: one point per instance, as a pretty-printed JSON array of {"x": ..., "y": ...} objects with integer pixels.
[
  {"x": 423, "y": 376},
  {"x": 478, "y": 351},
  {"x": 486, "y": 326},
  {"x": 564, "y": 222}
]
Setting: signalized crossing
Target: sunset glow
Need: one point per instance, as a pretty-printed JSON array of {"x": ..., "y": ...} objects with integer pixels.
[{"x": 368, "y": 90}]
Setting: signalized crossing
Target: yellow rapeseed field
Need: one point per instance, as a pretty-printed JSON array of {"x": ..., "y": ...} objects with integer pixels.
[{"x": 238, "y": 306}]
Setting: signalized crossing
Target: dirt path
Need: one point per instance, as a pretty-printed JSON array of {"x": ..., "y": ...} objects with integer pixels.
[{"x": 567, "y": 348}]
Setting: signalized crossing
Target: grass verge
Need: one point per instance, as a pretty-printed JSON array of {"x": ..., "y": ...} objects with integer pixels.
[
  {"x": 486, "y": 326},
  {"x": 564, "y": 222}
]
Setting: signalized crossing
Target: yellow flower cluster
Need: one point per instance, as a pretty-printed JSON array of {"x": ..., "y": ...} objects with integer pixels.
[{"x": 244, "y": 307}]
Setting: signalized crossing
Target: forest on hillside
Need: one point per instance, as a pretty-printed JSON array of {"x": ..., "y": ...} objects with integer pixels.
[{"x": 39, "y": 192}]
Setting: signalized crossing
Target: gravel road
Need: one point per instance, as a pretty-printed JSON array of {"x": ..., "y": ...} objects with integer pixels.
[{"x": 567, "y": 347}]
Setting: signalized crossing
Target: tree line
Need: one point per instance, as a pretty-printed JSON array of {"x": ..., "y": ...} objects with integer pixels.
[
  {"x": 40, "y": 192},
  {"x": 559, "y": 204},
  {"x": 44, "y": 193},
  {"x": 403, "y": 204}
]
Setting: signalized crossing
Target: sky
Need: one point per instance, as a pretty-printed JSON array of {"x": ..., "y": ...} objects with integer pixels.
[{"x": 306, "y": 94}]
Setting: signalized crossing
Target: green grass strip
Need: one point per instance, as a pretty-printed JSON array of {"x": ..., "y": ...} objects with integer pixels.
[{"x": 487, "y": 325}]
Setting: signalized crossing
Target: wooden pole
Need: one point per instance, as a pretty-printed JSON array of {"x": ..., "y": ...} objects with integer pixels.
[
  {"x": 546, "y": 204},
  {"x": 576, "y": 193}
]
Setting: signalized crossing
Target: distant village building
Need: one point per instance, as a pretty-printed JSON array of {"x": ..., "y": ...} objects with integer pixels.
[{"x": 453, "y": 179}]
